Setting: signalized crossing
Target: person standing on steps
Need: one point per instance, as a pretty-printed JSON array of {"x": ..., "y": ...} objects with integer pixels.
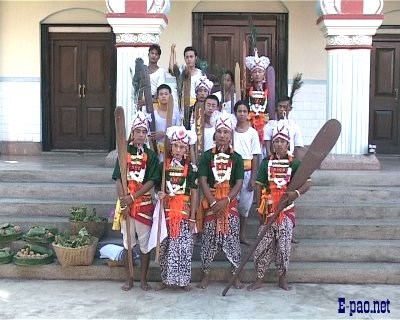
[
  {"x": 220, "y": 177},
  {"x": 142, "y": 174},
  {"x": 274, "y": 175},
  {"x": 248, "y": 146}
]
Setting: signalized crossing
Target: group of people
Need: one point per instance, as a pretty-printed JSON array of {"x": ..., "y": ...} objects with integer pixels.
[{"x": 211, "y": 192}]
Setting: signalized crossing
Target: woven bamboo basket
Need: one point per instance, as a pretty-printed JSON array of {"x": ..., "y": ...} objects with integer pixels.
[
  {"x": 82, "y": 256},
  {"x": 96, "y": 229}
]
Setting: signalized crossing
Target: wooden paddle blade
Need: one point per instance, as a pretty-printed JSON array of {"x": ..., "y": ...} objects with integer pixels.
[
  {"x": 320, "y": 147},
  {"x": 237, "y": 84}
]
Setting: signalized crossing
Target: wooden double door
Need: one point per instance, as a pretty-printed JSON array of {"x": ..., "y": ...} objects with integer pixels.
[
  {"x": 384, "y": 113},
  {"x": 219, "y": 38},
  {"x": 80, "y": 86}
]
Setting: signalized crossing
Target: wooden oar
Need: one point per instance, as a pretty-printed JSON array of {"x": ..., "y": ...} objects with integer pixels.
[
  {"x": 316, "y": 153},
  {"x": 121, "y": 150},
  {"x": 170, "y": 108},
  {"x": 237, "y": 84}
]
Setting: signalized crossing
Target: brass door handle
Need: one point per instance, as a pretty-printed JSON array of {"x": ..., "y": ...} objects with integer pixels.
[
  {"x": 79, "y": 91},
  {"x": 396, "y": 94},
  {"x": 84, "y": 91}
]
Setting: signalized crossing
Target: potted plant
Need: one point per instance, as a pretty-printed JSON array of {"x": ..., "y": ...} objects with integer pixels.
[
  {"x": 81, "y": 218},
  {"x": 75, "y": 250}
]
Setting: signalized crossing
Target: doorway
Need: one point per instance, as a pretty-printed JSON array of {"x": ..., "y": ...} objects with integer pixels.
[
  {"x": 384, "y": 112},
  {"x": 78, "y": 101},
  {"x": 219, "y": 39}
]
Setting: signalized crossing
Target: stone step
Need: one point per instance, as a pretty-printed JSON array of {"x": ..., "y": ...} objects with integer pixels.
[
  {"x": 311, "y": 250},
  {"x": 370, "y": 229},
  {"x": 106, "y": 191},
  {"x": 64, "y": 173},
  {"x": 354, "y": 210},
  {"x": 59, "y": 191},
  {"x": 347, "y": 195},
  {"x": 299, "y": 272},
  {"x": 381, "y": 178},
  {"x": 73, "y": 169},
  {"x": 39, "y": 207},
  {"x": 315, "y": 250}
]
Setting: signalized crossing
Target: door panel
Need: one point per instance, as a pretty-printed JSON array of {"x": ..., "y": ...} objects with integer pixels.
[
  {"x": 95, "y": 105},
  {"x": 384, "y": 102},
  {"x": 66, "y": 100}
]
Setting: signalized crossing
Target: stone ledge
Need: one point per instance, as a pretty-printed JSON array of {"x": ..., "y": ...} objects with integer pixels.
[
  {"x": 20, "y": 148},
  {"x": 350, "y": 162}
]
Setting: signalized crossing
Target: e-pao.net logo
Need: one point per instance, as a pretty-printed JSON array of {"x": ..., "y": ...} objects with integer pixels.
[{"x": 363, "y": 307}]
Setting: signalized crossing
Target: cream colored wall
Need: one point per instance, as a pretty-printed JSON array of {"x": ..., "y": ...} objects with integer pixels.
[
  {"x": 20, "y": 30},
  {"x": 391, "y": 11},
  {"x": 306, "y": 43}
]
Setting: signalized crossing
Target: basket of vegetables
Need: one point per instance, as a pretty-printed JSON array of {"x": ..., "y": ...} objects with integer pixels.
[
  {"x": 6, "y": 255},
  {"x": 40, "y": 235},
  {"x": 75, "y": 250},
  {"x": 81, "y": 218},
  {"x": 33, "y": 255},
  {"x": 9, "y": 232}
]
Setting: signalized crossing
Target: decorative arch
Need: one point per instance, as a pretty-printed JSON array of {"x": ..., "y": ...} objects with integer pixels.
[{"x": 76, "y": 16}]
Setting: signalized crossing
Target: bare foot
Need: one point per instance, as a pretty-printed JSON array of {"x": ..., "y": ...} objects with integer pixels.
[
  {"x": 283, "y": 283},
  {"x": 127, "y": 285},
  {"x": 256, "y": 285},
  {"x": 295, "y": 241},
  {"x": 145, "y": 286},
  {"x": 162, "y": 286},
  {"x": 187, "y": 288},
  {"x": 204, "y": 282},
  {"x": 245, "y": 241},
  {"x": 238, "y": 285}
]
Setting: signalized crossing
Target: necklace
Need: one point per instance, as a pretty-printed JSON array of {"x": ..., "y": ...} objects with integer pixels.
[{"x": 221, "y": 165}]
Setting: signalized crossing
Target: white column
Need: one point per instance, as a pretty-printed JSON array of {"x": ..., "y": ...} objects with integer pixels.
[
  {"x": 126, "y": 57},
  {"x": 348, "y": 97}
]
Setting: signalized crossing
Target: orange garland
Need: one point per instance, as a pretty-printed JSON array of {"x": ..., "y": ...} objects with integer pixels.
[
  {"x": 176, "y": 204},
  {"x": 134, "y": 186}
]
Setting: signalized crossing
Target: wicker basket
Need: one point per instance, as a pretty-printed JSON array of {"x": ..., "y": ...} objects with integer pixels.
[
  {"x": 82, "y": 256},
  {"x": 96, "y": 229}
]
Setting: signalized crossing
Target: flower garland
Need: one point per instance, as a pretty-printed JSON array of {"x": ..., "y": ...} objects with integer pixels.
[
  {"x": 222, "y": 169},
  {"x": 257, "y": 116},
  {"x": 175, "y": 181},
  {"x": 135, "y": 176},
  {"x": 279, "y": 175},
  {"x": 221, "y": 165},
  {"x": 258, "y": 100},
  {"x": 176, "y": 177}
]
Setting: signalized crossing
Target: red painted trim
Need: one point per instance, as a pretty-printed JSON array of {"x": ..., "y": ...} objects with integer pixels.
[
  {"x": 135, "y": 6},
  {"x": 138, "y": 15},
  {"x": 352, "y": 6},
  {"x": 348, "y": 47},
  {"x": 350, "y": 17}
]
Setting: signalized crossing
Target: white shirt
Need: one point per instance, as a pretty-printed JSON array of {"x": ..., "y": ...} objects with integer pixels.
[
  {"x": 229, "y": 107},
  {"x": 296, "y": 137},
  {"x": 208, "y": 137},
  {"x": 161, "y": 125},
  {"x": 157, "y": 78},
  {"x": 246, "y": 143}
]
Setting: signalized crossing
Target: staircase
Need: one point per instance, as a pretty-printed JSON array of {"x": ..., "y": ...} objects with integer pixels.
[{"x": 348, "y": 223}]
